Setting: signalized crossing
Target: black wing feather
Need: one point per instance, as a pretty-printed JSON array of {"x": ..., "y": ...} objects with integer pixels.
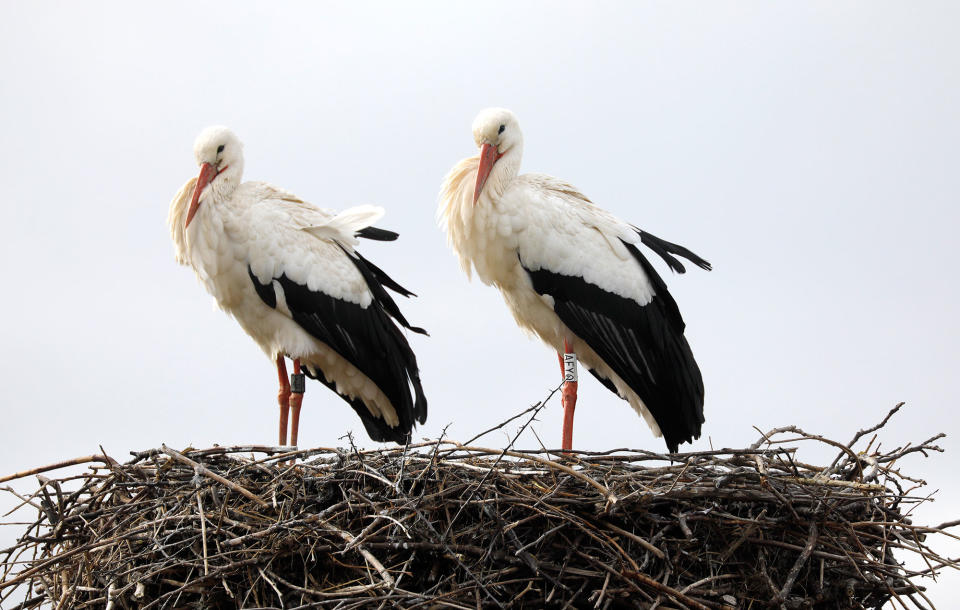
[
  {"x": 606, "y": 382},
  {"x": 366, "y": 337},
  {"x": 377, "y": 234},
  {"x": 382, "y": 278},
  {"x": 376, "y": 278},
  {"x": 264, "y": 291},
  {"x": 374, "y": 425},
  {"x": 665, "y": 249},
  {"x": 643, "y": 344}
]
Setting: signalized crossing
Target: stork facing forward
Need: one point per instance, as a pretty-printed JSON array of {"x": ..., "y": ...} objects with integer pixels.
[
  {"x": 573, "y": 274},
  {"x": 288, "y": 271}
]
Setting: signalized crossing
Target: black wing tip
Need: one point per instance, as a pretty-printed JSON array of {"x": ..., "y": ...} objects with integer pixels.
[
  {"x": 685, "y": 423},
  {"x": 674, "y": 442},
  {"x": 380, "y": 431},
  {"x": 377, "y": 234},
  {"x": 672, "y": 437},
  {"x": 702, "y": 263},
  {"x": 377, "y": 281},
  {"x": 665, "y": 250},
  {"x": 675, "y": 265},
  {"x": 377, "y": 428},
  {"x": 386, "y": 434}
]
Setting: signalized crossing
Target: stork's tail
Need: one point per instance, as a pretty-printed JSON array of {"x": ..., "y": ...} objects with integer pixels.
[{"x": 344, "y": 227}]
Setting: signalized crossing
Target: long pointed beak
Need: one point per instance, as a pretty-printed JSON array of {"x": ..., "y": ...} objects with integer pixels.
[
  {"x": 488, "y": 156},
  {"x": 207, "y": 173}
]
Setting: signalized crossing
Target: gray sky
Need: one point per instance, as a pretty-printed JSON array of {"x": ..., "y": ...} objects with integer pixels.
[{"x": 809, "y": 151}]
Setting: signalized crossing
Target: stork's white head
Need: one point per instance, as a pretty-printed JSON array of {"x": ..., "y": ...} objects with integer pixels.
[
  {"x": 219, "y": 154},
  {"x": 497, "y": 132},
  {"x": 497, "y": 127}
]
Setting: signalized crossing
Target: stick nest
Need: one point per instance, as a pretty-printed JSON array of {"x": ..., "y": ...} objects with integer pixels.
[{"x": 441, "y": 524}]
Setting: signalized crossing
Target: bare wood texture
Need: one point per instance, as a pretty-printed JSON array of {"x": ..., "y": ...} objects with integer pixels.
[{"x": 443, "y": 524}]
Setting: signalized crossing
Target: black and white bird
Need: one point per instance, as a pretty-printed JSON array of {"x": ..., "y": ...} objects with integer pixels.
[
  {"x": 574, "y": 275},
  {"x": 290, "y": 274}
]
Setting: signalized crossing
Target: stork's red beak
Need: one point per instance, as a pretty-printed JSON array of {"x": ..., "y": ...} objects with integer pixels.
[
  {"x": 488, "y": 156},
  {"x": 207, "y": 173}
]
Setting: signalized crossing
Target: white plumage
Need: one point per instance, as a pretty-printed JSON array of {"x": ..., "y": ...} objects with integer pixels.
[
  {"x": 233, "y": 233},
  {"x": 536, "y": 238}
]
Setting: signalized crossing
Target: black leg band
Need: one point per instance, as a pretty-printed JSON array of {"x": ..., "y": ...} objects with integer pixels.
[{"x": 298, "y": 383}]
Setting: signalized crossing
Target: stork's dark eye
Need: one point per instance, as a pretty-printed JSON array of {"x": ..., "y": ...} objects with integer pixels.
[
  {"x": 219, "y": 149},
  {"x": 502, "y": 127}
]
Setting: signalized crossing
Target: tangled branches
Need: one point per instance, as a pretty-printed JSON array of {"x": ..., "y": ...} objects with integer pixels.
[{"x": 441, "y": 524}]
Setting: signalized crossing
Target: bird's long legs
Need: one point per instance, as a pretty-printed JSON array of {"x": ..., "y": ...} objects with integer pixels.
[
  {"x": 568, "y": 368},
  {"x": 283, "y": 397},
  {"x": 298, "y": 385},
  {"x": 290, "y": 398}
]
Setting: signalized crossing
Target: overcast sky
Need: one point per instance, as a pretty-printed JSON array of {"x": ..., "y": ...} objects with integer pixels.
[{"x": 808, "y": 150}]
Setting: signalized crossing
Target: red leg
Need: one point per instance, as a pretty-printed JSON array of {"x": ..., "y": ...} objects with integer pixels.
[
  {"x": 283, "y": 397},
  {"x": 569, "y": 396},
  {"x": 296, "y": 399}
]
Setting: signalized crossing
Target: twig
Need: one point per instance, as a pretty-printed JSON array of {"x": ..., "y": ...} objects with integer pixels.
[
  {"x": 861, "y": 433},
  {"x": 802, "y": 559},
  {"x": 210, "y": 474},
  {"x": 57, "y": 465},
  {"x": 669, "y": 591},
  {"x": 535, "y": 407},
  {"x": 203, "y": 531}
]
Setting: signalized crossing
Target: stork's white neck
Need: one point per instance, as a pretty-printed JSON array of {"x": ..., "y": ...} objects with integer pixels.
[
  {"x": 223, "y": 186},
  {"x": 504, "y": 171}
]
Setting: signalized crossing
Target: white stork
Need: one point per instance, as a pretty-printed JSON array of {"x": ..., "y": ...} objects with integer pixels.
[
  {"x": 289, "y": 273},
  {"x": 574, "y": 275}
]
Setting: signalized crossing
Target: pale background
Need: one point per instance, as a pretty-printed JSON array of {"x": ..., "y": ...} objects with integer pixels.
[{"x": 809, "y": 151}]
